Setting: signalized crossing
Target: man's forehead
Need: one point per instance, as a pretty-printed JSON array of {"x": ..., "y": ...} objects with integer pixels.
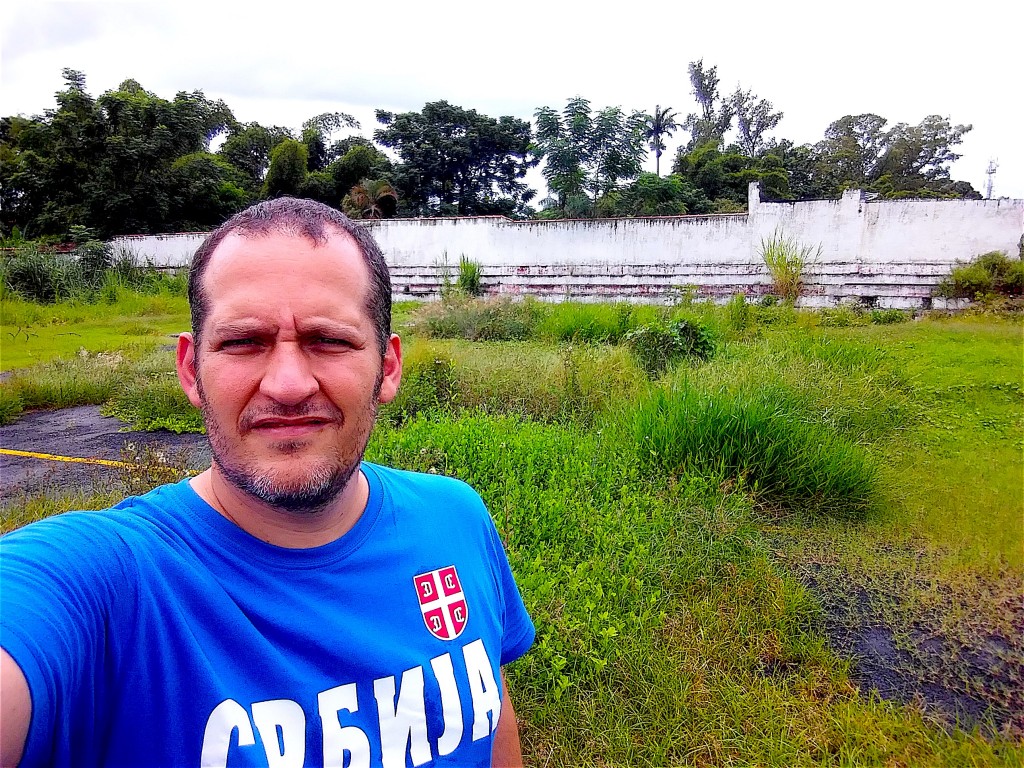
[{"x": 280, "y": 245}]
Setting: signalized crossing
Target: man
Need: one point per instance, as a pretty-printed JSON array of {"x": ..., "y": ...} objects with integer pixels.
[{"x": 291, "y": 605}]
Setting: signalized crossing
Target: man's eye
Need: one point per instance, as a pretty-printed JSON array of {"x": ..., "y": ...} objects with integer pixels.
[
  {"x": 331, "y": 341},
  {"x": 238, "y": 343}
]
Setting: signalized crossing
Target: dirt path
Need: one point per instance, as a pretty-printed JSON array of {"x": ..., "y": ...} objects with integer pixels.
[{"x": 79, "y": 432}]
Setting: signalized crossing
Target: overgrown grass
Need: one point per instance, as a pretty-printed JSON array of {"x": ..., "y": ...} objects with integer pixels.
[
  {"x": 36, "y": 333},
  {"x": 673, "y": 625}
]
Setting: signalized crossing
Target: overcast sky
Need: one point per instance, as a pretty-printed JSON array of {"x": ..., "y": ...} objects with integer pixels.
[{"x": 282, "y": 63}]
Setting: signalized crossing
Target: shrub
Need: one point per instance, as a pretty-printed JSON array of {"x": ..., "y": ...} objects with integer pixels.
[
  {"x": 786, "y": 260},
  {"x": 657, "y": 346},
  {"x": 459, "y": 317},
  {"x": 990, "y": 273},
  {"x": 428, "y": 386},
  {"x": 758, "y": 439},
  {"x": 888, "y": 316}
]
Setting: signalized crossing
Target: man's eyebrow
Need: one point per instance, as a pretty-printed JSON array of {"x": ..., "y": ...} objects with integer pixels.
[{"x": 233, "y": 327}]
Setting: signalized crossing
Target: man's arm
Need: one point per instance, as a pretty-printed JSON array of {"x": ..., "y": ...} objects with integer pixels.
[
  {"x": 16, "y": 711},
  {"x": 506, "y": 752}
]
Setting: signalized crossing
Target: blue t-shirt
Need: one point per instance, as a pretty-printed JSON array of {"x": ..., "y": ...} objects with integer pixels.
[{"x": 159, "y": 633}]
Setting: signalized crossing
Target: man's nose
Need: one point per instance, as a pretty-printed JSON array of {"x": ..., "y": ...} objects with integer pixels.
[{"x": 288, "y": 378}]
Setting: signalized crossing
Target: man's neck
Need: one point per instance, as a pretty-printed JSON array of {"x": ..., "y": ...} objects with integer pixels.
[{"x": 283, "y": 528}]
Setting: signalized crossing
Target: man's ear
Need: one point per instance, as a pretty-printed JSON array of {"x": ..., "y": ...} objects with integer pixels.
[
  {"x": 392, "y": 370},
  {"x": 186, "y": 364}
]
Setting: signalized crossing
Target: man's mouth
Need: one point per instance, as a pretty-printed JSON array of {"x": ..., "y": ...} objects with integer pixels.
[{"x": 289, "y": 427}]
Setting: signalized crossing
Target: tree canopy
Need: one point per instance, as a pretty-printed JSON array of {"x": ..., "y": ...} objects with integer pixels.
[
  {"x": 455, "y": 161},
  {"x": 133, "y": 162}
]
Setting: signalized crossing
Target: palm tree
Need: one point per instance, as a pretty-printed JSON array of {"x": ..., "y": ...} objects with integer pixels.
[
  {"x": 661, "y": 123},
  {"x": 370, "y": 199}
]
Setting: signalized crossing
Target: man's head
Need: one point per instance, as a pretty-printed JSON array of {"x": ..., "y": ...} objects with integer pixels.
[
  {"x": 311, "y": 220},
  {"x": 291, "y": 352}
]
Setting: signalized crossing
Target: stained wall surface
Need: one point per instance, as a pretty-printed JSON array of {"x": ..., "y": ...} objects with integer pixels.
[{"x": 888, "y": 253}]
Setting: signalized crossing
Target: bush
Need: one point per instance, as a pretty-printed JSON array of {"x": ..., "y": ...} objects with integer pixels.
[
  {"x": 990, "y": 273},
  {"x": 657, "y": 347},
  {"x": 760, "y": 440},
  {"x": 428, "y": 386},
  {"x": 888, "y": 316}
]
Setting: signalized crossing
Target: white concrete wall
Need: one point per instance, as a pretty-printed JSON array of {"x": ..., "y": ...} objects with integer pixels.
[{"x": 890, "y": 253}]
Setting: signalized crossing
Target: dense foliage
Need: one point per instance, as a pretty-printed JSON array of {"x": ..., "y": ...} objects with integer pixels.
[{"x": 133, "y": 162}]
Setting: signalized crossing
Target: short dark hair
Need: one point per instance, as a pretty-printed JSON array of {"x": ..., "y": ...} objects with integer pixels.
[{"x": 312, "y": 220}]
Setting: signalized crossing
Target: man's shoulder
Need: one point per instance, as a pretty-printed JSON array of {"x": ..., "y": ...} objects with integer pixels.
[
  {"x": 426, "y": 491},
  {"x": 406, "y": 481},
  {"x": 122, "y": 524}
]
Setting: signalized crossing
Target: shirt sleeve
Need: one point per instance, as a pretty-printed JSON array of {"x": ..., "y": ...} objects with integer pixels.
[{"x": 61, "y": 580}]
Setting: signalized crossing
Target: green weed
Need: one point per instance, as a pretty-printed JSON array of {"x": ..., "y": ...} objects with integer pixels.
[{"x": 787, "y": 261}]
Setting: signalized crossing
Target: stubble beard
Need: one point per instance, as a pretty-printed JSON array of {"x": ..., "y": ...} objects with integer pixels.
[{"x": 307, "y": 495}]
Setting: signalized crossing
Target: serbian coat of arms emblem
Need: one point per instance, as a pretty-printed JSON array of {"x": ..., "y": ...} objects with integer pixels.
[{"x": 442, "y": 602}]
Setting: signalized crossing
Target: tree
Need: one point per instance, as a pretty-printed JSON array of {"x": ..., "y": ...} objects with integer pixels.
[
  {"x": 371, "y": 199},
  {"x": 144, "y": 135},
  {"x": 661, "y": 123},
  {"x": 754, "y": 118},
  {"x": 726, "y": 176},
  {"x": 652, "y": 195},
  {"x": 858, "y": 151},
  {"x": 315, "y": 133},
  {"x": 587, "y": 154},
  {"x": 361, "y": 161},
  {"x": 106, "y": 163},
  {"x": 287, "y": 173},
  {"x": 248, "y": 149},
  {"x": 715, "y": 117},
  {"x": 205, "y": 190},
  {"x": 457, "y": 161}
]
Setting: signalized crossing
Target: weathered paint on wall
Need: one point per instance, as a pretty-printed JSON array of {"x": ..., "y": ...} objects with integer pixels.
[{"x": 890, "y": 253}]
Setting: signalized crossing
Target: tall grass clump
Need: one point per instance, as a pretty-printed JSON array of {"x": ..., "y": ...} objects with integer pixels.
[
  {"x": 42, "y": 275},
  {"x": 574, "y": 321},
  {"x": 787, "y": 259},
  {"x": 470, "y": 279},
  {"x": 759, "y": 439},
  {"x": 429, "y": 385}
]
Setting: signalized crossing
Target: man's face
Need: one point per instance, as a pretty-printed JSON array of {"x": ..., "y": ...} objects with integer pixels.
[{"x": 288, "y": 374}]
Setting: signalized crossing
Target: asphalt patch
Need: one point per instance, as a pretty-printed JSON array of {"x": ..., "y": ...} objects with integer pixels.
[{"x": 82, "y": 432}]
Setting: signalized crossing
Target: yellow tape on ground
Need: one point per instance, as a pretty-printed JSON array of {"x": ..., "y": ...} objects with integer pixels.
[{"x": 72, "y": 459}]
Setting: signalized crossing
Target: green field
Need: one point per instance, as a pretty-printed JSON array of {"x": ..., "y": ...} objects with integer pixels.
[{"x": 703, "y": 552}]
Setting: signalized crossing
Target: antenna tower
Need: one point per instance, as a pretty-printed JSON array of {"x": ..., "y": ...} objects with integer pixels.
[{"x": 993, "y": 166}]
